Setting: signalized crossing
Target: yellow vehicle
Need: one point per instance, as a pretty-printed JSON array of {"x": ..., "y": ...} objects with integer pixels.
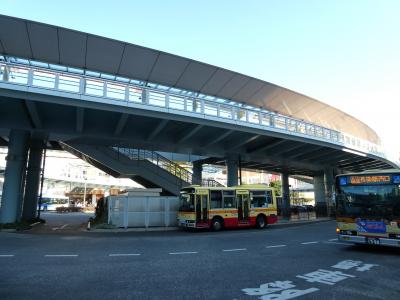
[
  {"x": 227, "y": 207},
  {"x": 368, "y": 207}
]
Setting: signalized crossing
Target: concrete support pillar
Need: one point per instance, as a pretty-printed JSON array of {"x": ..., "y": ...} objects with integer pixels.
[
  {"x": 319, "y": 196},
  {"x": 328, "y": 190},
  {"x": 32, "y": 180},
  {"x": 232, "y": 168},
  {"x": 14, "y": 176},
  {"x": 285, "y": 195},
  {"x": 197, "y": 173}
]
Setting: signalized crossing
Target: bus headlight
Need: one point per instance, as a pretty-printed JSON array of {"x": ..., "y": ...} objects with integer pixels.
[{"x": 337, "y": 230}]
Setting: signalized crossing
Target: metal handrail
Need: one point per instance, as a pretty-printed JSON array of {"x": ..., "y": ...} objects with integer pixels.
[
  {"x": 151, "y": 97},
  {"x": 164, "y": 163}
]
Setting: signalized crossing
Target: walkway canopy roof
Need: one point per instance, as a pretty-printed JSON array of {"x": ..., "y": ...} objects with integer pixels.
[{"x": 52, "y": 44}]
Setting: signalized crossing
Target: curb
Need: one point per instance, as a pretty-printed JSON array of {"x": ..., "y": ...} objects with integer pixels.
[
  {"x": 119, "y": 230},
  {"x": 299, "y": 223},
  {"x": 8, "y": 230},
  {"x": 163, "y": 229}
]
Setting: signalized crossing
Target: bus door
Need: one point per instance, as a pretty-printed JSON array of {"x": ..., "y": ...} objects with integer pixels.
[
  {"x": 198, "y": 208},
  {"x": 243, "y": 202},
  {"x": 202, "y": 206}
]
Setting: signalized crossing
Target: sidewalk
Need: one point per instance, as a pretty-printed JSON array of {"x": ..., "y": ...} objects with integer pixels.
[{"x": 282, "y": 223}]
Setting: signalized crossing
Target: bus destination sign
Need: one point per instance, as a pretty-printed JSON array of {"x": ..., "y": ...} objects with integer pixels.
[{"x": 370, "y": 179}]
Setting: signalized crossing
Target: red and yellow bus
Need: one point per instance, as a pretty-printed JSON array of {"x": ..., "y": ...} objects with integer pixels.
[{"x": 228, "y": 207}]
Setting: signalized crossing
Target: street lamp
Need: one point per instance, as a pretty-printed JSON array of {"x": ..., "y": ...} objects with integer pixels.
[
  {"x": 84, "y": 172},
  {"x": 84, "y": 195}
]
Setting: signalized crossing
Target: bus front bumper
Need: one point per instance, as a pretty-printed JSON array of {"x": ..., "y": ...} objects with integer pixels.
[
  {"x": 186, "y": 223},
  {"x": 368, "y": 240}
]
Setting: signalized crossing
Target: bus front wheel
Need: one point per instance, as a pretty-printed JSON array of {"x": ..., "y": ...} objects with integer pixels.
[
  {"x": 216, "y": 224},
  {"x": 260, "y": 222}
]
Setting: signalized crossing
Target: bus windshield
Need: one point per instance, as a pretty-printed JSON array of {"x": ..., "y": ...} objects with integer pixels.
[
  {"x": 186, "y": 202},
  {"x": 382, "y": 201}
]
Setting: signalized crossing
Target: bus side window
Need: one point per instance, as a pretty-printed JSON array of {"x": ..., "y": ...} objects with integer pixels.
[
  {"x": 229, "y": 199},
  {"x": 269, "y": 197},
  {"x": 216, "y": 199},
  {"x": 258, "y": 199}
]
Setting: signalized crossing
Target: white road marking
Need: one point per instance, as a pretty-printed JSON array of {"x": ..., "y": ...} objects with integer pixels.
[
  {"x": 61, "y": 255},
  {"x": 62, "y": 227},
  {"x": 124, "y": 254},
  {"x": 275, "y": 246},
  {"x": 307, "y": 243},
  {"x": 188, "y": 252},
  {"x": 6, "y": 255},
  {"x": 331, "y": 240},
  {"x": 232, "y": 250},
  {"x": 338, "y": 243}
]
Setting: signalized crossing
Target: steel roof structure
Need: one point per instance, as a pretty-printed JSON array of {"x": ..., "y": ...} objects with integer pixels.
[{"x": 53, "y": 44}]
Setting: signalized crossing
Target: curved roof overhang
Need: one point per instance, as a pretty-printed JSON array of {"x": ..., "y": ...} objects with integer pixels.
[{"x": 53, "y": 44}]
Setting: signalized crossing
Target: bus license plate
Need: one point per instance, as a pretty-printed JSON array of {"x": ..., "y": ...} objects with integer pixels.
[{"x": 372, "y": 241}]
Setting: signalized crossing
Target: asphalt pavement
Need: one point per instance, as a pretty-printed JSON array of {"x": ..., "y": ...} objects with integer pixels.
[{"x": 305, "y": 262}]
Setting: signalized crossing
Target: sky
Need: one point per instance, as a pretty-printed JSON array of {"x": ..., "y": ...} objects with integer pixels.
[{"x": 345, "y": 53}]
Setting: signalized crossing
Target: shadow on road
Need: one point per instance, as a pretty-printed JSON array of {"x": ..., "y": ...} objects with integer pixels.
[{"x": 375, "y": 250}]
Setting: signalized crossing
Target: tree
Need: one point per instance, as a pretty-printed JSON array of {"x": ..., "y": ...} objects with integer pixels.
[{"x": 277, "y": 186}]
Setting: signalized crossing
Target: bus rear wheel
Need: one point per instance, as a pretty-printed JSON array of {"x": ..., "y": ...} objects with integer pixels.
[
  {"x": 216, "y": 224},
  {"x": 261, "y": 222}
]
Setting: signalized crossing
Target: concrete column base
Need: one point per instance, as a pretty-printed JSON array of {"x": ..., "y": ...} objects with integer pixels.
[
  {"x": 285, "y": 196},
  {"x": 33, "y": 180},
  {"x": 14, "y": 177}
]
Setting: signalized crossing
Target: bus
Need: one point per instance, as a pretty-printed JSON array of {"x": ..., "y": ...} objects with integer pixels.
[
  {"x": 368, "y": 207},
  {"x": 227, "y": 207},
  {"x": 50, "y": 203}
]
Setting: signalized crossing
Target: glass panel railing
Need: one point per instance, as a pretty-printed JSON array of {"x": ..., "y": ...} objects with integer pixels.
[
  {"x": 326, "y": 133},
  {"x": 136, "y": 92},
  {"x": 225, "y": 112},
  {"x": 319, "y": 132},
  {"x": 94, "y": 87},
  {"x": 176, "y": 103},
  {"x": 135, "y": 95},
  {"x": 43, "y": 79},
  {"x": 156, "y": 99},
  {"x": 2, "y": 73},
  {"x": 301, "y": 128},
  {"x": 211, "y": 109},
  {"x": 291, "y": 125},
  {"x": 279, "y": 122},
  {"x": 310, "y": 129},
  {"x": 115, "y": 91},
  {"x": 15, "y": 74},
  {"x": 254, "y": 117},
  {"x": 193, "y": 105},
  {"x": 266, "y": 119},
  {"x": 241, "y": 114},
  {"x": 69, "y": 83}
]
